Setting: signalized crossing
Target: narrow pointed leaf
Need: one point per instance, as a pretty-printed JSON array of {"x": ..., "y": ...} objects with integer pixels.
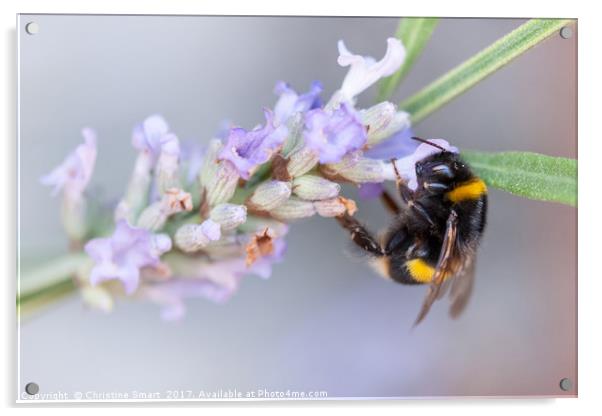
[
  {"x": 531, "y": 175},
  {"x": 414, "y": 33},
  {"x": 481, "y": 65}
]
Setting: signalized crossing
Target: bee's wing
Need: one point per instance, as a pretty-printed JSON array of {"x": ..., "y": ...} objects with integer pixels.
[
  {"x": 461, "y": 289},
  {"x": 443, "y": 265}
]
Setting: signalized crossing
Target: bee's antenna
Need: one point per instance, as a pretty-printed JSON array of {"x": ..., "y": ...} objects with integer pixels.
[{"x": 418, "y": 139}]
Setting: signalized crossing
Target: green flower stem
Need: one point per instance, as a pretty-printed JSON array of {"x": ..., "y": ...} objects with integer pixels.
[
  {"x": 483, "y": 64},
  {"x": 49, "y": 282},
  {"x": 414, "y": 33}
]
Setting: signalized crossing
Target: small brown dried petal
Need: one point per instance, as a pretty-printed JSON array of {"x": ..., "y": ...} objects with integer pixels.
[
  {"x": 177, "y": 200},
  {"x": 261, "y": 245}
]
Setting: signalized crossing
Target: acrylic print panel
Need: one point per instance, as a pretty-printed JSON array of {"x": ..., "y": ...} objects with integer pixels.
[{"x": 140, "y": 281}]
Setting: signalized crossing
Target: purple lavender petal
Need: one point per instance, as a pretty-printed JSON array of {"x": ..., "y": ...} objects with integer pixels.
[
  {"x": 290, "y": 102},
  {"x": 334, "y": 134},
  {"x": 397, "y": 146},
  {"x": 371, "y": 190},
  {"x": 249, "y": 149},
  {"x": 149, "y": 134},
  {"x": 122, "y": 255},
  {"x": 73, "y": 175}
]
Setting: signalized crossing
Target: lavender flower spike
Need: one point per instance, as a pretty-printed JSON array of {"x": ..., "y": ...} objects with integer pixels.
[
  {"x": 122, "y": 255},
  {"x": 167, "y": 169},
  {"x": 334, "y": 134},
  {"x": 248, "y": 149},
  {"x": 364, "y": 71},
  {"x": 73, "y": 175}
]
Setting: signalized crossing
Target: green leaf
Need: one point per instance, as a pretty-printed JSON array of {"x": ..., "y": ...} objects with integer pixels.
[
  {"x": 481, "y": 65},
  {"x": 414, "y": 33},
  {"x": 531, "y": 175}
]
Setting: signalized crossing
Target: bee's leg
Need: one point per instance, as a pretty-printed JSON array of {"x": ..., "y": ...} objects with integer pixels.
[
  {"x": 402, "y": 187},
  {"x": 360, "y": 236},
  {"x": 390, "y": 203},
  {"x": 407, "y": 195}
]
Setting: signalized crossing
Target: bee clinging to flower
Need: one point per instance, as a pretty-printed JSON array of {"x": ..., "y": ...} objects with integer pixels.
[{"x": 435, "y": 232}]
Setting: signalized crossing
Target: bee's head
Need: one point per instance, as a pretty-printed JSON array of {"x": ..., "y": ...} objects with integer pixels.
[{"x": 438, "y": 173}]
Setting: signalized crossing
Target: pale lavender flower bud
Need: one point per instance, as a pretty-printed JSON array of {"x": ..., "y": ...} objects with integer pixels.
[
  {"x": 153, "y": 217},
  {"x": 364, "y": 170},
  {"x": 314, "y": 188},
  {"x": 193, "y": 237},
  {"x": 293, "y": 209},
  {"x": 167, "y": 169},
  {"x": 148, "y": 135},
  {"x": 383, "y": 120},
  {"x": 270, "y": 195},
  {"x": 218, "y": 178},
  {"x": 347, "y": 162},
  {"x": 302, "y": 161},
  {"x": 136, "y": 196},
  {"x": 335, "y": 206},
  {"x": 173, "y": 201},
  {"x": 161, "y": 243},
  {"x": 229, "y": 216}
]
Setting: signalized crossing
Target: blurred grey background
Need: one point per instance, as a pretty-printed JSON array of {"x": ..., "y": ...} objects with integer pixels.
[{"x": 323, "y": 321}]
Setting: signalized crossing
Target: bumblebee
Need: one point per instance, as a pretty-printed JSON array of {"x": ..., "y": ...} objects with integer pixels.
[{"x": 434, "y": 234}]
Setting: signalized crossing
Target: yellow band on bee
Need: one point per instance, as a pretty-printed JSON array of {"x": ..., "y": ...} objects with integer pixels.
[
  {"x": 472, "y": 189},
  {"x": 420, "y": 270}
]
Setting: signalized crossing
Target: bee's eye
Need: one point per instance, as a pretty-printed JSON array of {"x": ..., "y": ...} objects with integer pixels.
[{"x": 442, "y": 170}]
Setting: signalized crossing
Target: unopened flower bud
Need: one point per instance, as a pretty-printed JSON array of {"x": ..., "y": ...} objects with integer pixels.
[
  {"x": 364, "y": 170},
  {"x": 382, "y": 121},
  {"x": 167, "y": 169},
  {"x": 293, "y": 209},
  {"x": 193, "y": 237},
  {"x": 314, "y": 188},
  {"x": 136, "y": 196},
  {"x": 269, "y": 195},
  {"x": 347, "y": 162},
  {"x": 229, "y": 216},
  {"x": 173, "y": 201},
  {"x": 335, "y": 206},
  {"x": 218, "y": 178},
  {"x": 161, "y": 243},
  {"x": 302, "y": 161}
]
